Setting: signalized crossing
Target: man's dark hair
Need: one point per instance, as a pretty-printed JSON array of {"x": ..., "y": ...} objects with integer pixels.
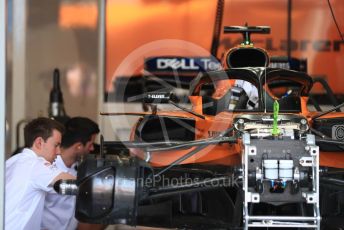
[
  {"x": 78, "y": 129},
  {"x": 40, "y": 127}
]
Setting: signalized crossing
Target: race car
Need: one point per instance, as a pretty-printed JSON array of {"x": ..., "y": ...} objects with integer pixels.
[{"x": 248, "y": 153}]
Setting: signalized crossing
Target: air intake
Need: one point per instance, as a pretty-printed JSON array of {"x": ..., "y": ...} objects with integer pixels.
[{"x": 247, "y": 57}]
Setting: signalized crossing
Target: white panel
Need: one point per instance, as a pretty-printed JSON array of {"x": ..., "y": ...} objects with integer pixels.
[
  {"x": 2, "y": 106},
  {"x": 18, "y": 67}
]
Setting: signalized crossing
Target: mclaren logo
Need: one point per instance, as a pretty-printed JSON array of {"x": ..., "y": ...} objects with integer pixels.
[{"x": 295, "y": 45}]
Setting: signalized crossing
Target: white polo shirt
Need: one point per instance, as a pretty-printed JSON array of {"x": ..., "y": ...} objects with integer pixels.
[
  {"x": 251, "y": 91},
  {"x": 27, "y": 181},
  {"x": 58, "y": 213}
]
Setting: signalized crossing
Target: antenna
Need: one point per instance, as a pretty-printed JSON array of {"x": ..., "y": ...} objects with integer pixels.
[{"x": 217, "y": 27}]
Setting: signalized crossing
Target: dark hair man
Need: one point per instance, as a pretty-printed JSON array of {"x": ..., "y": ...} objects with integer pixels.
[
  {"x": 31, "y": 174},
  {"x": 77, "y": 141}
]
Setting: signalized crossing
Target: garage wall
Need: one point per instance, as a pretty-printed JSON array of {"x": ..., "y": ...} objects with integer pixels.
[{"x": 58, "y": 34}]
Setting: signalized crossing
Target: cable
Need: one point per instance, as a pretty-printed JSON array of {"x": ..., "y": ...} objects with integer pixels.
[
  {"x": 187, "y": 110},
  {"x": 335, "y": 21},
  {"x": 193, "y": 152},
  {"x": 217, "y": 28},
  {"x": 328, "y": 90},
  {"x": 327, "y": 112},
  {"x": 194, "y": 143},
  {"x": 265, "y": 84}
]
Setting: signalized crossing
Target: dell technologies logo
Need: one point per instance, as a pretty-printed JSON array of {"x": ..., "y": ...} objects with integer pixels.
[{"x": 182, "y": 64}]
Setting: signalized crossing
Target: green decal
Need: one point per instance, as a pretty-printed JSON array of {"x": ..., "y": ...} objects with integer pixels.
[{"x": 275, "y": 130}]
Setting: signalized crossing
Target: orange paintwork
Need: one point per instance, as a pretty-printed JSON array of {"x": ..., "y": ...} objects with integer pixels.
[
  {"x": 329, "y": 159},
  {"x": 132, "y": 24},
  {"x": 224, "y": 154},
  {"x": 78, "y": 15},
  {"x": 228, "y": 154},
  {"x": 139, "y": 23},
  {"x": 332, "y": 159}
]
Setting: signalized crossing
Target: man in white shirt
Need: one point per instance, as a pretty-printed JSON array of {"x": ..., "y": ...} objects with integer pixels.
[
  {"x": 237, "y": 87},
  {"x": 30, "y": 174},
  {"x": 251, "y": 92},
  {"x": 77, "y": 141}
]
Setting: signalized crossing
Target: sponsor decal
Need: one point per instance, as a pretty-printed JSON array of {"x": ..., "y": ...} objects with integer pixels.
[
  {"x": 321, "y": 45},
  {"x": 213, "y": 133},
  {"x": 156, "y": 96},
  {"x": 184, "y": 64}
]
